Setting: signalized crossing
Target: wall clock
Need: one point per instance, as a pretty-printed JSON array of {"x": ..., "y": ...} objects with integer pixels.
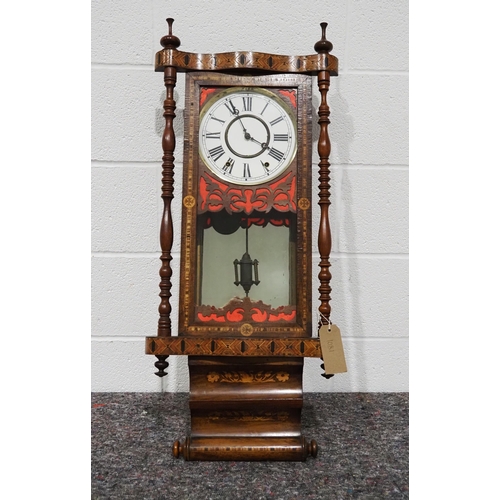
[
  {"x": 245, "y": 301},
  {"x": 247, "y": 135}
]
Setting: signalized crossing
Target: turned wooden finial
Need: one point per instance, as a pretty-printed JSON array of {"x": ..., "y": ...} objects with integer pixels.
[
  {"x": 323, "y": 46},
  {"x": 177, "y": 449},
  {"x": 162, "y": 365},
  {"x": 313, "y": 448},
  {"x": 327, "y": 376},
  {"x": 170, "y": 41}
]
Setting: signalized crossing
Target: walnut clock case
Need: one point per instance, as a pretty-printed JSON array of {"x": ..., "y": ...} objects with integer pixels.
[{"x": 245, "y": 311}]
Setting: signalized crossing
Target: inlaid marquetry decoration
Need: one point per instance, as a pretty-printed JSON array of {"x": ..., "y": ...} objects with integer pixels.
[
  {"x": 243, "y": 377},
  {"x": 169, "y": 346},
  {"x": 186, "y": 61},
  {"x": 189, "y": 201},
  {"x": 246, "y": 416},
  {"x": 246, "y": 316},
  {"x": 304, "y": 204},
  {"x": 246, "y": 329}
]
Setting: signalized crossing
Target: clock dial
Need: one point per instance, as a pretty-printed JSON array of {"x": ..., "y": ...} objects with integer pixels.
[{"x": 247, "y": 135}]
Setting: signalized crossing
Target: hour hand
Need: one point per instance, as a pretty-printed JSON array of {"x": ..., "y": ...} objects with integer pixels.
[{"x": 263, "y": 145}]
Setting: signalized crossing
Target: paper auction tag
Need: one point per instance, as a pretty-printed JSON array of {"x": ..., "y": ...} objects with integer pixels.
[{"x": 332, "y": 349}]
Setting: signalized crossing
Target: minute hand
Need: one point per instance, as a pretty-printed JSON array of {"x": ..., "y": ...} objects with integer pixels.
[
  {"x": 247, "y": 135},
  {"x": 236, "y": 112}
]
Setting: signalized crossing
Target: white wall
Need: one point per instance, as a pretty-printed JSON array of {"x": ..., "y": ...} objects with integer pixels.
[{"x": 369, "y": 211}]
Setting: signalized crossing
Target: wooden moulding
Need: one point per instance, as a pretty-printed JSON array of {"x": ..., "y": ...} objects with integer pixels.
[
  {"x": 237, "y": 346},
  {"x": 292, "y": 449},
  {"x": 187, "y": 61}
]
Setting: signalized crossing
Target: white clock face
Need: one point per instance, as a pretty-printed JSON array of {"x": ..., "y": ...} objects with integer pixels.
[{"x": 248, "y": 136}]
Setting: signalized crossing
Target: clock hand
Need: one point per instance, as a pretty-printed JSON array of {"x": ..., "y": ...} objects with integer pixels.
[
  {"x": 248, "y": 137},
  {"x": 232, "y": 108},
  {"x": 264, "y": 145},
  {"x": 236, "y": 112}
]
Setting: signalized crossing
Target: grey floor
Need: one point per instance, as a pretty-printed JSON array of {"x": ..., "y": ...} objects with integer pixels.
[{"x": 362, "y": 439}]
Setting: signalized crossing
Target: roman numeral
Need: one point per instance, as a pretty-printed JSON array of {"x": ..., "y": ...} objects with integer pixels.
[
  {"x": 267, "y": 104},
  {"x": 228, "y": 167},
  {"x": 216, "y": 153},
  {"x": 215, "y": 135},
  {"x": 276, "y": 120},
  {"x": 277, "y": 155},
  {"x": 281, "y": 137},
  {"x": 247, "y": 103},
  {"x": 246, "y": 170},
  {"x": 216, "y": 119}
]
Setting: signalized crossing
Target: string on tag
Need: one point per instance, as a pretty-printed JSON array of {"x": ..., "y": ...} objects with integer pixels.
[{"x": 327, "y": 321}]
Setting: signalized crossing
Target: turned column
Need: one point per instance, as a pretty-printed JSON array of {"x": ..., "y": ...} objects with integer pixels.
[
  {"x": 166, "y": 228},
  {"x": 324, "y": 148}
]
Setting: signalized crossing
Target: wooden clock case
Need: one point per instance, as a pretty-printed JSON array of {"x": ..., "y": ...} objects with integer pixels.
[{"x": 245, "y": 368}]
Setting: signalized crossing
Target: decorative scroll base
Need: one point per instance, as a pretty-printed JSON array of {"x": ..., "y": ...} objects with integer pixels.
[{"x": 246, "y": 409}]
